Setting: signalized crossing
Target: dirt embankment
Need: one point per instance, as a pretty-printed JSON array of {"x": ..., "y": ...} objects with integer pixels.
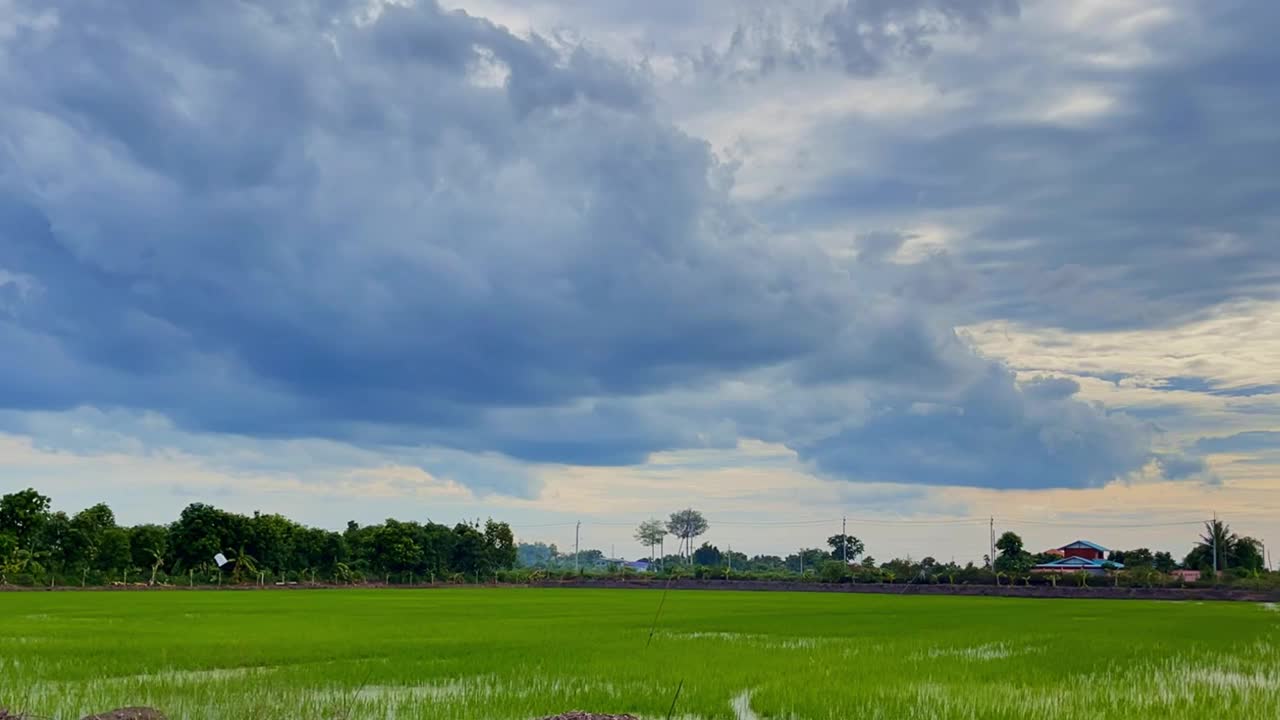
[{"x": 1034, "y": 591}]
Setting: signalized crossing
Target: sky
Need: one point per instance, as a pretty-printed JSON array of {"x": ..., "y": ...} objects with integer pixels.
[{"x": 921, "y": 266}]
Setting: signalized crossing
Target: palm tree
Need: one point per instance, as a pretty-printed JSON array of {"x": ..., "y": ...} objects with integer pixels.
[
  {"x": 244, "y": 563},
  {"x": 1217, "y": 542}
]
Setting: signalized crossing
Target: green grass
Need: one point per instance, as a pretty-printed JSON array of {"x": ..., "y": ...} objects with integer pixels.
[{"x": 521, "y": 653}]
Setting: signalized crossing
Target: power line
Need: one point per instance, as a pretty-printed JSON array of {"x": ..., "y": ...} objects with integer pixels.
[
  {"x": 1086, "y": 524},
  {"x": 883, "y": 521}
]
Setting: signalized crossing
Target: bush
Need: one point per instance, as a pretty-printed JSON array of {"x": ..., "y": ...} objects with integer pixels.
[{"x": 834, "y": 571}]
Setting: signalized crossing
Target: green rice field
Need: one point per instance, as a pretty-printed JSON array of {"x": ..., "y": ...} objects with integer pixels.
[{"x": 524, "y": 653}]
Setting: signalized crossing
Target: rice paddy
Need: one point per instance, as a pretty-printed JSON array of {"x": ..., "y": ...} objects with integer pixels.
[{"x": 524, "y": 653}]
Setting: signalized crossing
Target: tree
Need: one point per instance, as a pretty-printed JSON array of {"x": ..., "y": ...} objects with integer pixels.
[
  {"x": 395, "y": 550},
  {"x": 1009, "y": 544},
  {"x": 89, "y": 530},
  {"x": 807, "y": 560},
  {"x": 708, "y": 555},
  {"x": 687, "y": 524},
  {"x": 500, "y": 545},
  {"x": 1013, "y": 559},
  {"x": 650, "y": 533},
  {"x": 468, "y": 549},
  {"x": 149, "y": 544},
  {"x": 200, "y": 532},
  {"x": 242, "y": 565},
  {"x": 763, "y": 563},
  {"x": 1163, "y": 562},
  {"x": 22, "y": 514},
  {"x": 1246, "y": 553},
  {"x": 1142, "y": 557},
  {"x": 536, "y": 555},
  {"x": 1217, "y": 537},
  {"x": 57, "y": 541},
  {"x": 845, "y": 547},
  {"x": 114, "y": 554}
]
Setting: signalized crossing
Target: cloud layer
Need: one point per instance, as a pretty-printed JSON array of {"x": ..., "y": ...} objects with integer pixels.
[{"x": 411, "y": 228}]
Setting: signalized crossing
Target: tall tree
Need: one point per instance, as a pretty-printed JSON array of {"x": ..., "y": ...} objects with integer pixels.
[
  {"x": 500, "y": 545},
  {"x": 90, "y": 535},
  {"x": 843, "y": 546},
  {"x": 1012, "y": 559},
  {"x": 22, "y": 514},
  {"x": 1217, "y": 537},
  {"x": 1246, "y": 553},
  {"x": 650, "y": 533},
  {"x": 687, "y": 524},
  {"x": 200, "y": 532},
  {"x": 1009, "y": 544}
]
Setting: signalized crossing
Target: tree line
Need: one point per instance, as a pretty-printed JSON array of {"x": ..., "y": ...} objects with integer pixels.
[
  {"x": 38, "y": 545},
  {"x": 1239, "y": 559},
  {"x": 1241, "y": 555},
  {"x": 41, "y": 546}
]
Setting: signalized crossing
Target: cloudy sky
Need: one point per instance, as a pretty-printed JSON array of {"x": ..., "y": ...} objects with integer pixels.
[{"x": 914, "y": 262}]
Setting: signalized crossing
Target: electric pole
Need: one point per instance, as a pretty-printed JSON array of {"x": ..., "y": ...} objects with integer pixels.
[
  {"x": 991, "y": 559},
  {"x": 844, "y": 539},
  {"x": 576, "y": 531},
  {"x": 1214, "y": 535}
]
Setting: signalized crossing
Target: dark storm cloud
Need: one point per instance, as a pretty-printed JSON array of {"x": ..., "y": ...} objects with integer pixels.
[
  {"x": 1159, "y": 208},
  {"x": 271, "y": 220}
]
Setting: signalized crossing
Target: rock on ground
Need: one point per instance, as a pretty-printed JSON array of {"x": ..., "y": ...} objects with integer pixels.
[{"x": 129, "y": 713}]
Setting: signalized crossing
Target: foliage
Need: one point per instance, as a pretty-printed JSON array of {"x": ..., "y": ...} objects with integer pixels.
[
  {"x": 687, "y": 524},
  {"x": 845, "y": 547},
  {"x": 708, "y": 555},
  {"x": 1233, "y": 551},
  {"x": 22, "y": 514},
  {"x": 90, "y": 547},
  {"x": 650, "y": 533},
  {"x": 807, "y": 560},
  {"x": 1013, "y": 560}
]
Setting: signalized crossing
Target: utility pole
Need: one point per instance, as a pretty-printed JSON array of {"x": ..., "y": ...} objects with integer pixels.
[
  {"x": 1214, "y": 534},
  {"x": 730, "y": 558},
  {"x": 576, "y": 531},
  {"x": 844, "y": 539},
  {"x": 992, "y": 556}
]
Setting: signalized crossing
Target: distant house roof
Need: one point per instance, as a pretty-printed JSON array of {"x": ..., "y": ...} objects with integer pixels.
[
  {"x": 1079, "y": 563},
  {"x": 1083, "y": 544}
]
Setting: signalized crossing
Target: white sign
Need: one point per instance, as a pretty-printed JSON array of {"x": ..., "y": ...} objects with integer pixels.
[{"x": 220, "y": 559}]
